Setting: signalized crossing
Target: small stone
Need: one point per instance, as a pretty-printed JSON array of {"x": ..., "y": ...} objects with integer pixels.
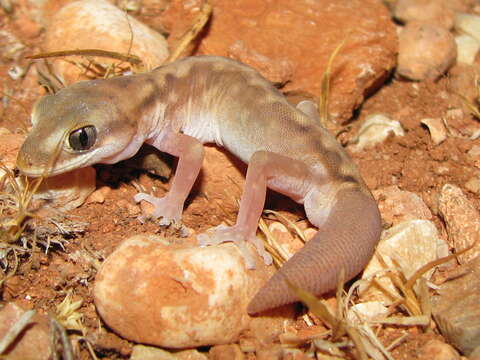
[
  {"x": 10, "y": 46},
  {"x": 426, "y": 51},
  {"x": 474, "y": 152},
  {"x": 437, "y": 129},
  {"x": 132, "y": 209},
  {"x": 438, "y": 350},
  {"x": 467, "y": 48},
  {"x": 462, "y": 81},
  {"x": 375, "y": 129},
  {"x": 285, "y": 239},
  {"x": 178, "y": 295},
  {"x": 429, "y": 11},
  {"x": 473, "y": 185},
  {"x": 97, "y": 24},
  {"x": 457, "y": 310},
  {"x": 226, "y": 352},
  {"x": 98, "y": 196},
  {"x": 33, "y": 343},
  {"x": 408, "y": 246},
  {"x": 366, "y": 312},
  {"x": 192, "y": 354},
  {"x": 468, "y": 24},
  {"x": 397, "y": 205},
  {"x": 462, "y": 220},
  {"x": 142, "y": 352},
  {"x": 475, "y": 355}
]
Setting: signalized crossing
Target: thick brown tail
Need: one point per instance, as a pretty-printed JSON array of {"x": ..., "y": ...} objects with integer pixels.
[{"x": 347, "y": 240}]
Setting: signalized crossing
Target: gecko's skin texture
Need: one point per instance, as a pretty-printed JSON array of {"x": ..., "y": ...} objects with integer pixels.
[{"x": 205, "y": 99}]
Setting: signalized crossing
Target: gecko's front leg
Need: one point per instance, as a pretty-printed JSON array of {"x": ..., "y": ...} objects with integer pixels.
[
  {"x": 288, "y": 176},
  {"x": 190, "y": 153}
]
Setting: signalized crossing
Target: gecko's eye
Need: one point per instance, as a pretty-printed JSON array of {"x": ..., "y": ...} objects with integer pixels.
[{"x": 83, "y": 138}]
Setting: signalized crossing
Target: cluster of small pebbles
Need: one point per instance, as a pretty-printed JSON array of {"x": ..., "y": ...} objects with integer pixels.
[{"x": 435, "y": 34}]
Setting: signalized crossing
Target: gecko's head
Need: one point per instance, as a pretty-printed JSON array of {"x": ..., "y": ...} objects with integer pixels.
[{"x": 80, "y": 125}]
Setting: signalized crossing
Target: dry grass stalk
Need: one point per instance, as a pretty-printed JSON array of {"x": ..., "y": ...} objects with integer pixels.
[
  {"x": 198, "y": 24},
  {"x": 15, "y": 330},
  {"x": 325, "y": 86}
]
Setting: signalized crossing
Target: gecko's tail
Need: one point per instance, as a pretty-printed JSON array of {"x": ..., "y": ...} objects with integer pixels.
[{"x": 346, "y": 241}]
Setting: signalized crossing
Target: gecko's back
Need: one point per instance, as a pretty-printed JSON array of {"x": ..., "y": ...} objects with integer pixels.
[{"x": 247, "y": 113}]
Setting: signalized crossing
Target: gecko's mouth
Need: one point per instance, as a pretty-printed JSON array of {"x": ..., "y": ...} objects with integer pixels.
[{"x": 37, "y": 171}]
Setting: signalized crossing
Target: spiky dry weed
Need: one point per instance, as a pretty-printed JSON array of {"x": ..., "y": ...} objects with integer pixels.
[{"x": 67, "y": 325}]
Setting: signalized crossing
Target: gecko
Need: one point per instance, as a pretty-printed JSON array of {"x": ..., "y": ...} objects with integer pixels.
[{"x": 180, "y": 106}]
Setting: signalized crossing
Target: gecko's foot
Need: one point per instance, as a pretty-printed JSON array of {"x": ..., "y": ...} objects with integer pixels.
[
  {"x": 169, "y": 213},
  {"x": 223, "y": 233}
]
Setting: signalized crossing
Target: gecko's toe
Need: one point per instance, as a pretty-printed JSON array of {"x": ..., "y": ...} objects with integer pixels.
[{"x": 168, "y": 211}]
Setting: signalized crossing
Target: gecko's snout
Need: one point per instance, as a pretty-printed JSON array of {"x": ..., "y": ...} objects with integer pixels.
[
  {"x": 29, "y": 159},
  {"x": 24, "y": 162}
]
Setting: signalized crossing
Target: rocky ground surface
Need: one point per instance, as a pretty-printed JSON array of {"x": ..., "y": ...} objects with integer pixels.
[{"x": 403, "y": 100}]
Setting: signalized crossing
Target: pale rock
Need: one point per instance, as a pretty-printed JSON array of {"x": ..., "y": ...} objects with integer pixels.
[
  {"x": 473, "y": 185},
  {"x": 475, "y": 355},
  {"x": 226, "y": 352},
  {"x": 192, "y": 354},
  {"x": 311, "y": 31},
  {"x": 31, "y": 344},
  {"x": 310, "y": 233},
  {"x": 132, "y": 209},
  {"x": 467, "y": 48},
  {"x": 99, "y": 195},
  {"x": 438, "y": 350},
  {"x": 97, "y": 24},
  {"x": 456, "y": 309},
  {"x": 437, "y": 129},
  {"x": 425, "y": 51},
  {"x": 375, "y": 129},
  {"x": 474, "y": 152},
  {"x": 267, "y": 329},
  {"x": 177, "y": 294},
  {"x": 285, "y": 239},
  {"x": 468, "y": 24},
  {"x": 10, "y": 47},
  {"x": 276, "y": 352},
  {"x": 461, "y": 80},
  {"x": 366, "y": 312},
  {"x": 462, "y": 221},
  {"x": 409, "y": 246},
  {"x": 429, "y": 11},
  {"x": 398, "y": 205},
  {"x": 142, "y": 352}
]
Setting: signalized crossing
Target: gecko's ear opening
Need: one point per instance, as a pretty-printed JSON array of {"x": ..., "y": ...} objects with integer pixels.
[{"x": 83, "y": 138}]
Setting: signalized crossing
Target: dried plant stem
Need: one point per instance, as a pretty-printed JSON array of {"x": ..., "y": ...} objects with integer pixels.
[
  {"x": 198, "y": 24},
  {"x": 15, "y": 330}
]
